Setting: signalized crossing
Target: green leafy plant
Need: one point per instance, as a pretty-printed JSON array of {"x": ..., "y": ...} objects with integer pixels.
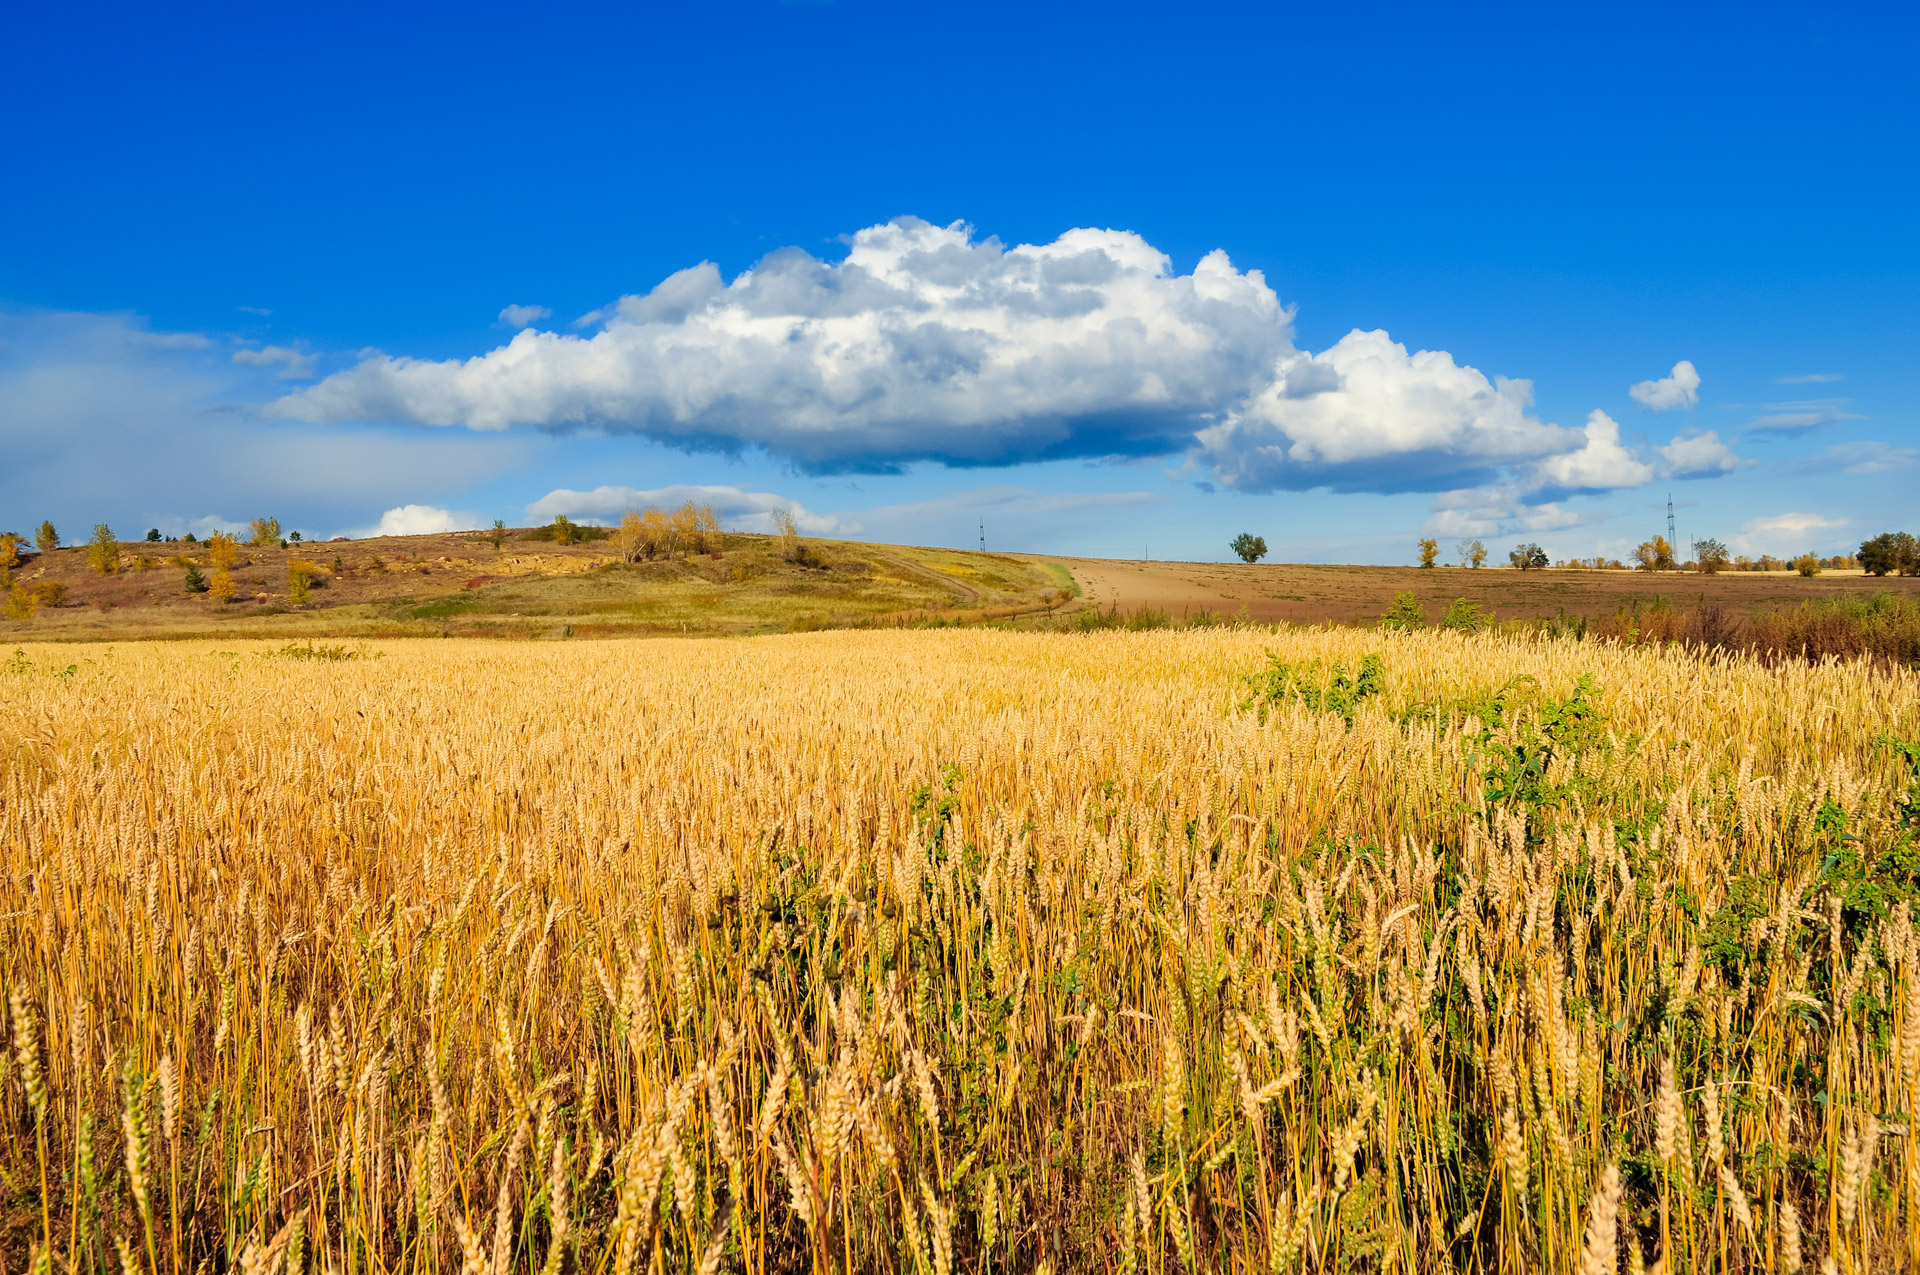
[
  {"x": 103, "y": 551},
  {"x": 322, "y": 654},
  {"x": 1465, "y": 617},
  {"x": 1867, "y": 882},
  {"x": 931, "y": 807},
  {"x": 1323, "y": 689},
  {"x": 1521, "y": 734},
  {"x": 1405, "y": 613}
]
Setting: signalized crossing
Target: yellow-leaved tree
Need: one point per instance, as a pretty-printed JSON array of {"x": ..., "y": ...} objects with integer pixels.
[
  {"x": 302, "y": 576},
  {"x": 266, "y": 531},
  {"x": 224, "y": 552},
  {"x": 9, "y": 557},
  {"x": 103, "y": 551},
  {"x": 631, "y": 535},
  {"x": 788, "y": 532}
]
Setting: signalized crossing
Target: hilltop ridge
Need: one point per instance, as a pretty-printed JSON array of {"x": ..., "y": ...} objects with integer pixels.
[{"x": 463, "y": 583}]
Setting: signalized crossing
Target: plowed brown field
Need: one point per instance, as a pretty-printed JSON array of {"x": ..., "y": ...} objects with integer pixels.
[{"x": 1316, "y": 594}]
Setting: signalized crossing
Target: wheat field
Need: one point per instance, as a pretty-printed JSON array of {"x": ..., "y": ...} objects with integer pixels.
[{"x": 1211, "y": 950}]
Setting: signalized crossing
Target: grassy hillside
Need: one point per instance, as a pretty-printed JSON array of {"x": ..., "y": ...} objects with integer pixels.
[{"x": 465, "y": 585}]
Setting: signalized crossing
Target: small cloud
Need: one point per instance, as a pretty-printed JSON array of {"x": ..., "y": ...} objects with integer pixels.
[
  {"x": 521, "y": 316},
  {"x": 1865, "y": 457},
  {"x": 1699, "y": 455},
  {"x": 420, "y": 520},
  {"x": 1785, "y": 533},
  {"x": 297, "y": 366},
  {"x": 254, "y": 309},
  {"x": 1804, "y": 416},
  {"x": 211, "y": 523},
  {"x": 1602, "y": 462},
  {"x": 171, "y": 341},
  {"x": 738, "y": 510},
  {"x": 1493, "y": 511},
  {"x": 1680, "y": 388},
  {"x": 1811, "y": 378}
]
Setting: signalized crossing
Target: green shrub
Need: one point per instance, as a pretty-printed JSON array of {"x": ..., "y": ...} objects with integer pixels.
[
  {"x": 1465, "y": 617},
  {"x": 1405, "y": 613},
  {"x": 1333, "y": 690}
]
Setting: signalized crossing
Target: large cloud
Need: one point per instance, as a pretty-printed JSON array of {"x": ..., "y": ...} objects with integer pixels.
[
  {"x": 926, "y": 344},
  {"x": 1367, "y": 414}
]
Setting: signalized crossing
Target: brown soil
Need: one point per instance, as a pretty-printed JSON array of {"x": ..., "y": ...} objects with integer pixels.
[{"x": 1315, "y": 594}]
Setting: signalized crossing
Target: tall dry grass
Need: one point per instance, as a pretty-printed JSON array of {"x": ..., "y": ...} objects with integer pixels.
[
  {"x": 1884, "y": 628},
  {"x": 961, "y": 951}
]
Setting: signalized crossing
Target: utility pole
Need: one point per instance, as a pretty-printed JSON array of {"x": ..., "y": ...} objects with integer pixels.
[{"x": 983, "y": 535}]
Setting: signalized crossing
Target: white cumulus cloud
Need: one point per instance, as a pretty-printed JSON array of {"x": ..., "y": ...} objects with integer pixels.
[
  {"x": 520, "y": 316},
  {"x": 1366, "y": 413},
  {"x": 1679, "y": 388},
  {"x": 1601, "y": 462},
  {"x": 421, "y": 520},
  {"x": 928, "y": 344},
  {"x": 923, "y": 344},
  {"x": 209, "y": 525},
  {"x": 294, "y": 366},
  {"x": 1699, "y": 455},
  {"x": 738, "y": 510}
]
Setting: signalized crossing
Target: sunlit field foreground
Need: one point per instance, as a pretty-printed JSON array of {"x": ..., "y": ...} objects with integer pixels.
[{"x": 924, "y": 952}]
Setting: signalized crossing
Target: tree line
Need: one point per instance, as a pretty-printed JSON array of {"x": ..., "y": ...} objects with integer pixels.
[{"x": 1890, "y": 553}]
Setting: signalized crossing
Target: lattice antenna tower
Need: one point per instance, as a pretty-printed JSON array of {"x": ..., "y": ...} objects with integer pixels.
[{"x": 1672, "y": 539}]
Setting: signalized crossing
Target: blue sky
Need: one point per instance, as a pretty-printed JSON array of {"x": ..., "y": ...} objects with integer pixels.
[{"x": 1113, "y": 279}]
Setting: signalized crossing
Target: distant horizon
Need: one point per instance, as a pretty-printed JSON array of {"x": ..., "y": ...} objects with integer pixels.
[{"x": 1578, "y": 562}]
